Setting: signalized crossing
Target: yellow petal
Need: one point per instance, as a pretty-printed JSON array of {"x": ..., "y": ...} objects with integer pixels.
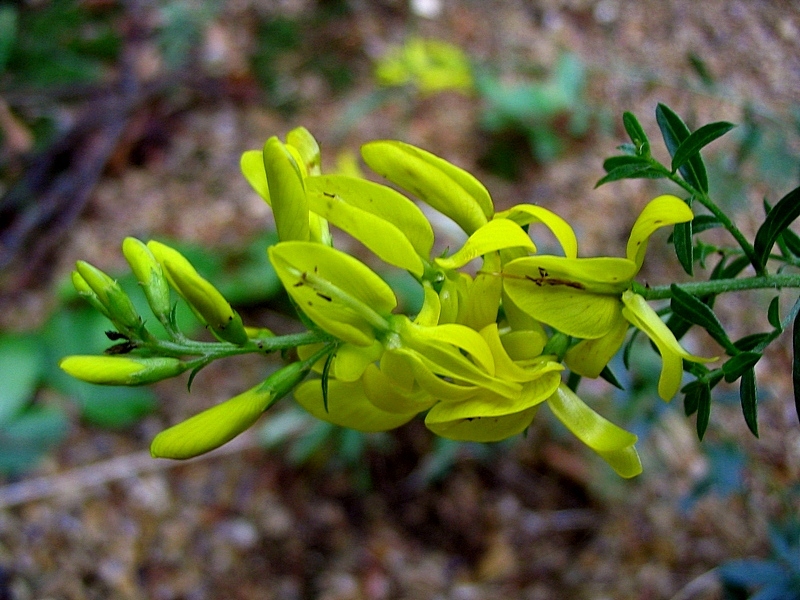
[
  {"x": 348, "y": 406},
  {"x": 589, "y": 357},
  {"x": 495, "y": 235},
  {"x": 212, "y": 427},
  {"x": 659, "y": 212},
  {"x": 525, "y": 214},
  {"x": 386, "y": 395},
  {"x": 483, "y": 429},
  {"x": 286, "y": 191},
  {"x": 351, "y": 360},
  {"x": 643, "y": 317},
  {"x": 252, "y": 166},
  {"x": 612, "y": 443}
]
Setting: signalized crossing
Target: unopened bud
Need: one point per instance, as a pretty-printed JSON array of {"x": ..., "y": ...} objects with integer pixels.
[
  {"x": 149, "y": 274},
  {"x": 118, "y": 305},
  {"x": 205, "y": 300},
  {"x": 219, "y": 424},
  {"x": 121, "y": 370}
]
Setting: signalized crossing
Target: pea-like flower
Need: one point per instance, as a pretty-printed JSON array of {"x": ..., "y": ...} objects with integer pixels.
[{"x": 590, "y": 298}]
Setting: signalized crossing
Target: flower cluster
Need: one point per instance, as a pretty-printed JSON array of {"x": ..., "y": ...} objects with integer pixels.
[
  {"x": 485, "y": 351},
  {"x": 483, "y": 354}
]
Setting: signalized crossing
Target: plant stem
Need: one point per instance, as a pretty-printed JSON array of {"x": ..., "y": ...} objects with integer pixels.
[
  {"x": 719, "y": 286},
  {"x": 703, "y": 199}
]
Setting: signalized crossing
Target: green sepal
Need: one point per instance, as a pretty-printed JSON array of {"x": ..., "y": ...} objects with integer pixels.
[
  {"x": 633, "y": 170},
  {"x": 608, "y": 375},
  {"x": 684, "y": 246}
]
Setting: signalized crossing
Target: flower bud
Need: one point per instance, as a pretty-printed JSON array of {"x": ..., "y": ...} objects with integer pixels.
[
  {"x": 121, "y": 370},
  {"x": 219, "y": 424},
  {"x": 205, "y": 300},
  {"x": 150, "y": 275},
  {"x": 87, "y": 293},
  {"x": 118, "y": 305}
]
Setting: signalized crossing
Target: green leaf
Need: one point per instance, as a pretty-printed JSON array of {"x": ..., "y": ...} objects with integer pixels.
[
  {"x": 737, "y": 365},
  {"x": 326, "y": 372},
  {"x": 778, "y": 220},
  {"x": 636, "y": 133},
  {"x": 22, "y": 368},
  {"x": 703, "y": 410},
  {"x": 694, "y": 310},
  {"x": 773, "y": 313},
  {"x": 684, "y": 248},
  {"x": 614, "y": 162},
  {"x": 791, "y": 240},
  {"x": 796, "y": 363},
  {"x": 8, "y": 33},
  {"x": 609, "y": 376},
  {"x": 631, "y": 171},
  {"x": 751, "y": 341},
  {"x": 704, "y": 222},
  {"x": 675, "y": 132},
  {"x": 749, "y": 397},
  {"x": 693, "y": 391},
  {"x": 697, "y": 140}
]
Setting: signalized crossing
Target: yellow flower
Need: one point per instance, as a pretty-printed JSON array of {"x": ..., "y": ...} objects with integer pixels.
[{"x": 590, "y": 298}]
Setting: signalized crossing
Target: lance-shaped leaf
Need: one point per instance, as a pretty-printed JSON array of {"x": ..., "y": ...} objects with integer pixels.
[
  {"x": 796, "y": 363},
  {"x": 694, "y": 310},
  {"x": 635, "y": 168},
  {"x": 773, "y": 313},
  {"x": 749, "y": 396},
  {"x": 778, "y": 220},
  {"x": 675, "y": 132},
  {"x": 636, "y": 133},
  {"x": 703, "y": 410},
  {"x": 612, "y": 443},
  {"x": 447, "y": 188},
  {"x": 697, "y": 140},
  {"x": 381, "y": 201},
  {"x": 684, "y": 245},
  {"x": 339, "y": 293},
  {"x": 736, "y": 366},
  {"x": 389, "y": 243},
  {"x": 498, "y": 234}
]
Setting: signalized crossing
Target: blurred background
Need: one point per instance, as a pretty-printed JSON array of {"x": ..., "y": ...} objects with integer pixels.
[{"x": 126, "y": 118}]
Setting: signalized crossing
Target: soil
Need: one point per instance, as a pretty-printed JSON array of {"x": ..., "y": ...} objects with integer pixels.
[{"x": 537, "y": 518}]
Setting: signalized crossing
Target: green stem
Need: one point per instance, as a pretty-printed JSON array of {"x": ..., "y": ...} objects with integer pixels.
[
  {"x": 703, "y": 199},
  {"x": 719, "y": 286}
]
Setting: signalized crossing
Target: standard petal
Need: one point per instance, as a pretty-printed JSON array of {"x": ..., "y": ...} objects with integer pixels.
[
  {"x": 612, "y": 443},
  {"x": 348, "y": 406},
  {"x": 525, "y": 214},
  {"x": 338, "y": 292},
  {"x": 381, "y": 201},
  {"x": 659, "y": 212},
  {"x": 388, "y": 242},
  {"x": 642, "y": 316},
  {"x": 495, "y": 235}
]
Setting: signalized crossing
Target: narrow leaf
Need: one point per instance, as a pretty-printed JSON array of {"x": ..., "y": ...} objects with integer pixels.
[
  {"x": 777, "y": 221},
  {"x": 636, "y": 133},
  {"x": 631, "y": 171},
  {"x": 703, "y": 410},
  {"x": 692, "y": 398},
  {"x": 703, "y": 222},
  {"x": 697, "y": 140},
  {"x": 614, "y": 162},
  {"x": 773, "y": 313},
  {"x": 735, "y": 367},
  {"x": 749, "y": 397},
  {"x": 749, "y": 342},
  {"x": 609, "y": 376},
  {"x": 796, "y": 363},
  {"x": 792, "y": 241},
  {"x": 684, "y": 248},
  {"x": 675, "y": 132},
  {"x": 694, "y": 310},
  {"x": 326, "y": 372}
]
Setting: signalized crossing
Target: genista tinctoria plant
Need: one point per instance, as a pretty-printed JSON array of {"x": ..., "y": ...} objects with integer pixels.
[{"x": 486, "y": 351}]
